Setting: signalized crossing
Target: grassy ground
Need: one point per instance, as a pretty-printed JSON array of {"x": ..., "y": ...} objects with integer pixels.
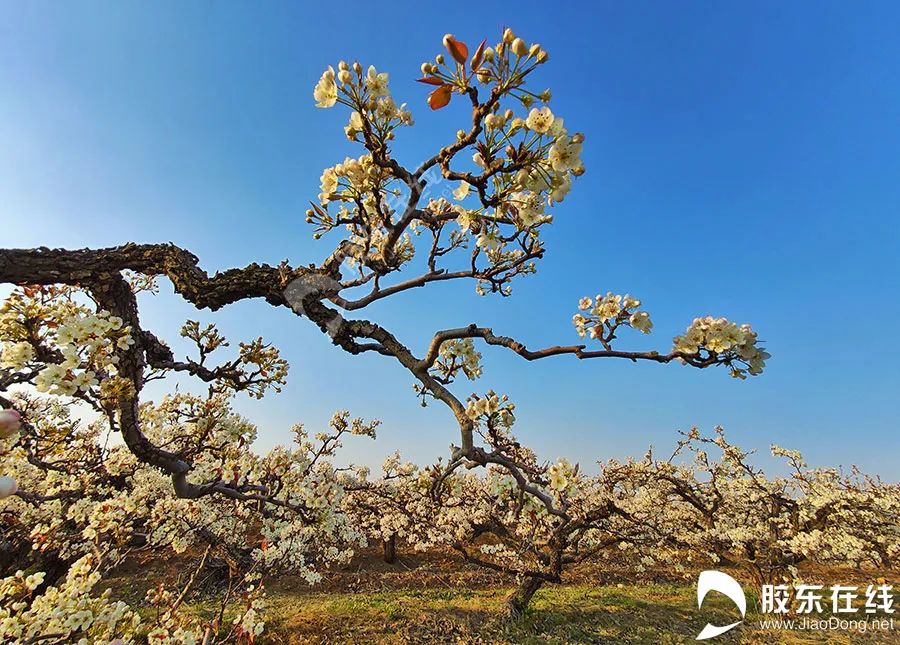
[
  {"x": 434, "y": 599},
  {"x": 655, "y": 614}
]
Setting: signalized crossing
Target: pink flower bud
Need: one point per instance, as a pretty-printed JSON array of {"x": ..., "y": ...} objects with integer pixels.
[
  {"x": 10, "y": 422},
  {"x": 8, "y": 486}
]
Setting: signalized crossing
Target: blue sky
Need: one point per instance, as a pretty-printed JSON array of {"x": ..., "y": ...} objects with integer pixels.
[{"x": 742, "y": 160}]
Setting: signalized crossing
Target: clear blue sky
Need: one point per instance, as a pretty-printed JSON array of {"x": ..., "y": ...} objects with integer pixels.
[{"x": 743, "y": 159}]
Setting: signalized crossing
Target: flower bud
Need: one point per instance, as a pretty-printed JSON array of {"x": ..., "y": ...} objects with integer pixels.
[
  {"x": 343, "y": 66},
  {"x": 345, "y": 77},
  {"x": 577, "y": 138},
  {"x": 508, "y": 35},
  {"x": 542, "y": 56},
  {"x": 10, "y": 422},
  {"x": 488, "y": 54},
  {"x": 484, "y": 76},
  {"x": 545, "y": 96},
  {"x": 357, "y": 67},
  {"x": 439, "y": 59},
  {"x": 8, "y": 486},
  {"x": 534, "y": 50},
  {"x": 460, "y": 134},
  {"x": 508, "y": 114},
  {"x": 426, "y": 68},
  {"x": 519, "y": 47},
  {"x": 448, "y": 38},
  {"x": 578, "y": 171}
]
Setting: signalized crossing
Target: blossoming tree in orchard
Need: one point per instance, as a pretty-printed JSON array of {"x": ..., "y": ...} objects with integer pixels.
[
  {"x": 398, "y": 510},
  {"x": 681, "y": 515},
  {"x": 727, "y": 511},
  {"x": 533, "y": 534},
  {"x": 77, "y": 501},
  {"x": 511, "y": 163}
]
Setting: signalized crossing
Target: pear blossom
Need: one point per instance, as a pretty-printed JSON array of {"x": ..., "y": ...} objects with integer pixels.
[
  {"x": 640, "y": 320},
  {"x": 326, "y": 91},
  {"x": 564, "y": 155},
  {"x": 16, "y": 355},
  {"x": 488, "y": 240},
  {"x": 355, "y": 126},
  {"x": 461, "y": 191},
  {"x": 376, "y": 83},
  {"x": 540, "y": 120}
]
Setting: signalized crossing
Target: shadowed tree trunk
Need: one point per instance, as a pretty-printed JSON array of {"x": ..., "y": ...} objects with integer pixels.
[
  {"x": 390, "y": 549},
  {"x": 54, "y": 568},
  {"x": 13, "y": 553},
  {"x": 518, "y": 600}
]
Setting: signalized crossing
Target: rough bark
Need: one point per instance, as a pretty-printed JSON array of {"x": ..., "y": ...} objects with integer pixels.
[
  {"x": 517, "y": 602},
  {"x": 390, "y": 549}
]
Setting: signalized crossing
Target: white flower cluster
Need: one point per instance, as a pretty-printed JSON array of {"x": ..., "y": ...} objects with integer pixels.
[
  {"x": 399, "y": 506},
  {"x": 16, "y": 356},
  {"x": 456, "y": 355},
  {"x": 524, "y": 164},
  {"x": 119, "y": 497},
  {"x": 726, "y": 509},
  {"x": 250, "y": 623},
  {"x": 525, "y": 195},
  {"x": 359, "y": 186},
  {"x": 720, "y": 336},
  {"x": 562, "y": 475},
  {"x": 370, "y": 96},
  {"x": 67, "y": 613},
  {"x": 490, "y": 407},
  {"x": 79, "y": 346},
  {"x": 350, "y": 180},
  {"x": 605, "y": 313}
]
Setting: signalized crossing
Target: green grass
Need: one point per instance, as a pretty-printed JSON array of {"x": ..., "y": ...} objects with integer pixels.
[
  {"x": 435, "y": 599},
  {"x": 652, "y": 614}
]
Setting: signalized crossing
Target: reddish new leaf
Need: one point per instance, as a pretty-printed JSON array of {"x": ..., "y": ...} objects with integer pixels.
[
  {"x": 479, "y": 54},
  {"x": 319, "y": 210},
  {"x": 430, "y": 80},
  {"x": 440, "y": 97},
  {"x": 457, "y": 49}
]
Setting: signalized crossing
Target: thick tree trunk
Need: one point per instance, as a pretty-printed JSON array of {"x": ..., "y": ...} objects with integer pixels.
[
  {"x": 390, "y": 549},
  {"x": 518, "y": 600}
]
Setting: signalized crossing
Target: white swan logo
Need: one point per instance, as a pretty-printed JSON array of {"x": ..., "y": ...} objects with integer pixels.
[{"x": 726, "y": 585}]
